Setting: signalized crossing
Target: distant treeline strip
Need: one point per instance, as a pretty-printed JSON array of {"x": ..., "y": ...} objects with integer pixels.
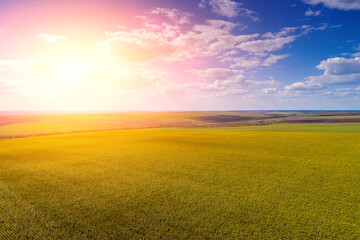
[{"x": 322, "y": 120}]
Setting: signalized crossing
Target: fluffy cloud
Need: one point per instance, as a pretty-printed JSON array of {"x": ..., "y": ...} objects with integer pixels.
[
  {"x": 357, "y": 54},
  {"x": 308, "y": 85},
  {"x": 322, "y": 82},
  {"x": 266, "y": 45},
  {"x": 340, "y": 66},
  {"x": 229, "y": 8},
  {"x": 172, "y": 42},
  {"x": 215, "y": 38},
  {"x": 50, "y": 37},
  {"x": 202, "y": 4},
  {"x": 337, "y": 71},
  {"x": 243, "y": 62},
  {"x": 210, "y": 39},
  {"x": 174, "y": 15},
  {"x": 257, "y": 52},
  {"x": 254, "y": 61},
  {"x": 269, "y": 90},
  {"x": 220, "y": 81},
  {"x": 272, "y": 59},
  {"x": 136, "y": 45},
  {"x": 169, "y": 43},
  {"x": 218, "y": 74},
  {"x": 312, "y": 13},
  {"x": 223, "y": 81},
  {"x": 339, "y": 4},
  {"x": 225, "y": 8},
  {"x": 283, "y": 32}
]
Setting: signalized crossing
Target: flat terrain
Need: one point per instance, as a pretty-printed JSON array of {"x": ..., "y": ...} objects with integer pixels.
[
  {"x": 279, "y": 181},
  {"x": 15, "y": 125}
]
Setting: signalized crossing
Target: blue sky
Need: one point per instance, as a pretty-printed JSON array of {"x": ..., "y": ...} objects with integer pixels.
[{"x": 179, "y": 55}]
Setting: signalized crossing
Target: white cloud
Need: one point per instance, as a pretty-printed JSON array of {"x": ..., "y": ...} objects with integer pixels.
[
  {"x": 136, "y": 45},
  {"x": 283, "y": 32},
  {"x": 340, "y": 66},
  {"x": 269, "y": 90},
  {"x": 306, "y": 29},
  {"x": 210, "y": 39},
  {"x": 167, "y": 42},
  {"x": 225, "y": 8},
  {"x": 276, "y": 41},
  {"x": 337, "y": 71},
  {"x": 266, "y": 45},
  {"x": 312, "y": 13},
  {"x": 230, "y": 9},
  {"x": 272, "y": 59},
  {"x": 249, "y": 13},
  {"x": 253, "y": 61},
  {"x": 217, "y": 74},
  {"x": 336, "y": 26},
  {"x": 50, "y": 37},
  {"x": 202, "y": 4},
  {"x": 216, "y": 38},
  {"x": 221, "y": 81},
  {"x": 243, "y": 62},
  {"x": 347, "y": 89},
  {"x": 339, "y": 4},
  {"x": 304, "y": 86},
  {"x": 174, "y": 15},
  {"x": 322, "y": 82},
  {"x": 225, "y": 81}
]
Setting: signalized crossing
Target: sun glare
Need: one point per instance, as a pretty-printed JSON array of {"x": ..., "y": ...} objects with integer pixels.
[{"x": 73, "y": 69}]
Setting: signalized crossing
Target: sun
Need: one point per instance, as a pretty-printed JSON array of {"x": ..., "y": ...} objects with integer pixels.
[{"x": 73, "y": 69}]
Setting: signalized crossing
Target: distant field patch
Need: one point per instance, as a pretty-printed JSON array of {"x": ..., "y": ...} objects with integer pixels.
[
  {"x": 222, "y": 118},
  {"x": 304, "y": 127},
  {"x": 6, "y": 120}
]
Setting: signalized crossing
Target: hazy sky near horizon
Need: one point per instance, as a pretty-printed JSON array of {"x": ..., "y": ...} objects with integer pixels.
[{"x": 179, "y": 55}]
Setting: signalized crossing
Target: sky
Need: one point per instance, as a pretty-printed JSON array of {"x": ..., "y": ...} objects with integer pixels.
[{"x": 155, "y": 55}]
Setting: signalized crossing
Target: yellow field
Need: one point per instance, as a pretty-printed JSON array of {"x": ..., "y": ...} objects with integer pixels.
[{"x": 181, "y": 184}]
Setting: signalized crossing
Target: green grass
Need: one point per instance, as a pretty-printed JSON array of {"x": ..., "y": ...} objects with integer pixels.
[{"x": 182, "y": 184}]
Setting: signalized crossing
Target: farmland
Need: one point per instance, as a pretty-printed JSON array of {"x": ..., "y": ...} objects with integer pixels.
[
  {"x": 30, "y": 124},
  {"x": 274, "y": 181}
]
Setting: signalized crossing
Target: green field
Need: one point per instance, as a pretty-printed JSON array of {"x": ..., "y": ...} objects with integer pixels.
[{"x": 281, "y": 181}]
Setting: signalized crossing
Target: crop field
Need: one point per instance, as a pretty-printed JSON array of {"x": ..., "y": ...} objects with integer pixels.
[
  {"x": 278, "y": 181},
  {"x": 35, "y": 124}
]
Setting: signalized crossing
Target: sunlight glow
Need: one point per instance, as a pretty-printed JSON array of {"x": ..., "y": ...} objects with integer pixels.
[{"x": 73, "y": 69}]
